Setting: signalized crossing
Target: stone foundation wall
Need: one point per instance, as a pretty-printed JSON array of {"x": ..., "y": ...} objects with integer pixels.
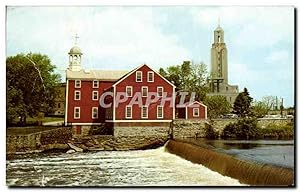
[
  {"x": 156, "y": 131},
  {"x": 188, "y": 128},
  {"x": 110, "y": 143}
]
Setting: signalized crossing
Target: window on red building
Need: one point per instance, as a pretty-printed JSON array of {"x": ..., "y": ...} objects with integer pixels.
[
  {"x": 128, "y": 91},
  {"x": 77, "y": 83},
  {"x": 94, "y": 112},
  {"x": 77, "y": 95},
  {"x": 160, "y": 91},
  {"x": 76, "y": 112},
  {"x": 196, "y": 112},
  {"x": 144, "y": 112},
  {"x": 95, "y": 95},
  {"x": 95, "y": 84},
  {"x": 144, "y": 91},
  {"x": 128, "y": 111},
  {"x": 160, "y": 112},
  {"x": 150, "y": 76},
  {"x": 138, "y": 76}
]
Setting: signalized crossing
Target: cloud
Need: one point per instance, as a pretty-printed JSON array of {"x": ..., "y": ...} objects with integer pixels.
[
  {"x": 250, "y": 27},
  {"x": 110, "y": 37},
  {"x": 278, "y": 56}
]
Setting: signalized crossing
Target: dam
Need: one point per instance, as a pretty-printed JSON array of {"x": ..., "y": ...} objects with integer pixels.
[{"x": 175, "y": 164}]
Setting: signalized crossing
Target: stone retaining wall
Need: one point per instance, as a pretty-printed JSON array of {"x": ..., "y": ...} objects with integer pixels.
[
  {"x": 196, "y": 128},
  {"x": 263, "y": 123},
  {"x": 39, "y": 141},
  {"x": 188, "y": 128}
]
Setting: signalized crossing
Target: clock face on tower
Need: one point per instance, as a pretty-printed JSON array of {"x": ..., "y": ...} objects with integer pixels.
[{"x": 75, "y": 58}]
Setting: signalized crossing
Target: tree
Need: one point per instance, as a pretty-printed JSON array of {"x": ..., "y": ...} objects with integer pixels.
[
  {"x": 217, "y": 105},
  {"x": 242, "y": 104},
  {"x": 188, "y": 77},
  {"x": 270, "y": 102},
  {"x": 30, "y": 83},
  {"x": 259, "y": 109}
]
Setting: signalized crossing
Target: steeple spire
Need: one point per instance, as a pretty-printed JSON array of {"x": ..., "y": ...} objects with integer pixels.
[{"x": 76, "y": 38}]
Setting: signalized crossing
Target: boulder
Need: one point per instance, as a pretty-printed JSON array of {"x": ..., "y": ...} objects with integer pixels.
[{"x": 71, "y": 151}]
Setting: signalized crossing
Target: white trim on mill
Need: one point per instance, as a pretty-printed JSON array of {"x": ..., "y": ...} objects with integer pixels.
[
  {"x": 67, "y": 95},
  {"x": 128, "y": 74},
  {"x": 138, "y": 121}
]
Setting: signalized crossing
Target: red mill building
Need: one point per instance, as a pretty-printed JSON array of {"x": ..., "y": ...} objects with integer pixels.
[{"x": 118, "y": 99}]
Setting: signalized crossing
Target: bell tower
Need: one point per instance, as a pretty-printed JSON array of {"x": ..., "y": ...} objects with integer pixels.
[
  {"x": 75, "y": 56},
  {"x": 219, "y": 67}
]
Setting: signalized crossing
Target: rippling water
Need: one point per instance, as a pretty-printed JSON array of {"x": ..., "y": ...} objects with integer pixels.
[
  {"x": 131, "y": 168},
  {"x": 273, "y": 152}
]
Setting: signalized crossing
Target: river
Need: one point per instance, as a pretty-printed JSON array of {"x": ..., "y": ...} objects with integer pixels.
[
  {"x": 154, "y": 167},
  {"x": 273, "y": 152}
]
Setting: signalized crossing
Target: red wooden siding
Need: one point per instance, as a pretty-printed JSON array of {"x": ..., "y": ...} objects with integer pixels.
[
  {"x": 201, "y": 111},
  {"x": 86, "y": 103},
  {"x": 137, "y": 87}
]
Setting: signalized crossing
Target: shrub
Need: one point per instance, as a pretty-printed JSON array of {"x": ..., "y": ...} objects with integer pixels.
[
  {"x": 210, "y": 133},
  {"x": 245, "y": 128}
]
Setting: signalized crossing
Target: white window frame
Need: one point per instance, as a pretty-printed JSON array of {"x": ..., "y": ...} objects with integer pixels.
[
  {"x": 194, "y": 112},
  {"x": 150, "y": 72},
  {"x": 76, "y": 91},
  {"x": 146, "y": 87},
  {"x": 93, "y": 112},
  {"x": 162, "y": 91},
  {"x": 75, "y": 112},
  {"x": 94, "y": 81},
  {"x": 93, "y": 96},
  {"x": 136, "y": 76},
  {"x": 162, "y": 112},
  {"x": 131, "y": 88},
  {"x": 76, "y": 83},
  {"x": 126, "y": 107},
  {"x": 146, "y": 117}
]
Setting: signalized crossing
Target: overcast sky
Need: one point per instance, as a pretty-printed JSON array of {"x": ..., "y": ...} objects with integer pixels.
[{"x": 260, "y": 40}]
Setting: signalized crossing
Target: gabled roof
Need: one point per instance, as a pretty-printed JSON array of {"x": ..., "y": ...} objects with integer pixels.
[
  {"x": 96, "y": 74},
  {"x": 134, "y": 70},
  {"x": 188, "y": 104}
]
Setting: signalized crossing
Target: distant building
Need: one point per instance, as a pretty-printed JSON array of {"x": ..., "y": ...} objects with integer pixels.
[
  {"x": 60, "y": 100},
  {"x": 219, "y": 69},
  {"x": 85, "y": 88}
]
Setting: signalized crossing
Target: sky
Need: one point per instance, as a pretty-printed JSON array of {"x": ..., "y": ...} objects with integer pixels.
[{"x": 259, "y": 40}]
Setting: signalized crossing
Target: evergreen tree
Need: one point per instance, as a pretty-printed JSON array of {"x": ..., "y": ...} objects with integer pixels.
[{"x": 242, "y": 104}]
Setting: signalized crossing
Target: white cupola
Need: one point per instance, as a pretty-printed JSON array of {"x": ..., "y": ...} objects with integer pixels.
[{"x": 75, "y": 56}]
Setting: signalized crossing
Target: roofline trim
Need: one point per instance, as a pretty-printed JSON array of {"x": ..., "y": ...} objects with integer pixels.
[{"x": 134, "y": 70}]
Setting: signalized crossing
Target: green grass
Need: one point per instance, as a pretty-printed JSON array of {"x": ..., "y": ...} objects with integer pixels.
[
  {"x": 45, "y": 119},
  {"x": 26, "y": 130}
]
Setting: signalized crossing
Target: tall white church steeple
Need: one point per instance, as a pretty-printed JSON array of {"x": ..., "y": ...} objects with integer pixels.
[{"x": 75, "y": 56}]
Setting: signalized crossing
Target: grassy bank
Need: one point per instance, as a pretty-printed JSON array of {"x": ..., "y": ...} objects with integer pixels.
[{"x": 34, "y": 121}]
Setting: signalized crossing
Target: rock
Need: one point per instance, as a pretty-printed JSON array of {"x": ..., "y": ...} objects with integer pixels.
[
  {"x": 89, "y": 144},
  {"x": 77, "y": 149},
  {"x": 96, "y": 149},
  {"x": 71, "y": 151}
]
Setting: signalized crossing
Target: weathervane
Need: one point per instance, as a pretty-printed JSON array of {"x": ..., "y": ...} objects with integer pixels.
[{"x": 219, "y": 21}]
